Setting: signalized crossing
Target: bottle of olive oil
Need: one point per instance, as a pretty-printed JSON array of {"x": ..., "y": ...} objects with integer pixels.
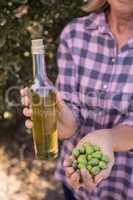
[{"x": 43, "y": 105}]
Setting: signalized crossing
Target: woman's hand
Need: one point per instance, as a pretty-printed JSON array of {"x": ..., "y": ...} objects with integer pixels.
[
  {"x": 104, "y": 140},
  {"x": 77, "y": 180},
  {"x": 66, "y": 124}
]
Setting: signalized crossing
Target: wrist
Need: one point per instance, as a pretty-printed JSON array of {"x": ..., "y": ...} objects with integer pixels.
[
  {"x": 102, "y": 136},
  {"x": 122, "y": 137}
]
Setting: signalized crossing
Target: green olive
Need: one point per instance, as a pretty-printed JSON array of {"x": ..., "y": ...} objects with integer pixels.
[
  {"x": 97, "y": 148},
  {"x": 89, "y": 168},
  {"x": 75, "y": 164},
  {"x": 89, "y": 157},
  {"x": 89, "y": 149},
  {"x": 94, "y": 162},
  {"x": 95, "y": 170},
  {"x": 81, "y": 166},
  {"x": 76, "y": 153},
  {"x": 102, "y": 165},
  {"x": 105, "y": 158},
  {"x": 85, "y": 145},
  {"x": 82, "y": 159},
  {"x": 82, "y": 150},
  {"x": 97, "y": 154}
]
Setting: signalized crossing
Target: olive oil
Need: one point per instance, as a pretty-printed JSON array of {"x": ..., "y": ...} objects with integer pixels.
[{"x": 43, "y": 105}]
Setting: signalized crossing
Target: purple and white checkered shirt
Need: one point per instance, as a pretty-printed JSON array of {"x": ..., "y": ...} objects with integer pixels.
[{"x": 96, "y": 81}]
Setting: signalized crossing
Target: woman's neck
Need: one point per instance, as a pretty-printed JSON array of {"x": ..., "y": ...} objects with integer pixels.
[
  {"x": 121, "y": 26},
  {"x": 121, "y": 22}
]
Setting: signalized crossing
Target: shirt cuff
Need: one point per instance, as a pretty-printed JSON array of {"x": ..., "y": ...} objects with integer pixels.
[{"x": 128, "y": 121}]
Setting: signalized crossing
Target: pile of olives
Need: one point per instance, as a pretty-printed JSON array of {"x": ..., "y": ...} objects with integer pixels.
[{"x": 89, "y": 156}]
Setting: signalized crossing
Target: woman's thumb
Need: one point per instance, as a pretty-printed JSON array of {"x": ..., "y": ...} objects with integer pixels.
[{"x": 59, "y": 101}]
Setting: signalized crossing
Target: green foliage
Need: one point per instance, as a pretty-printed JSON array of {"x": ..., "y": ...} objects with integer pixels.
[{"x": 18, "y": 16}]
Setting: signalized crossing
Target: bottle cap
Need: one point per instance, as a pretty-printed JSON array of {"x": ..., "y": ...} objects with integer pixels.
[{"x": 37, "y": 46}]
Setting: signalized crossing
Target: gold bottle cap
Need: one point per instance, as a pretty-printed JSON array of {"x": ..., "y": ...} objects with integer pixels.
[{"x": 37, "y": 46}]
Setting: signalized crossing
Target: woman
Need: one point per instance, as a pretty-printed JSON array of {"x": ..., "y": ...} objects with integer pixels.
[{"x": 96, "y": 83}]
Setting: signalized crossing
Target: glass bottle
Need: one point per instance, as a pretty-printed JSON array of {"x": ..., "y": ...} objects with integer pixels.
[{"x": 43, "y": 105}]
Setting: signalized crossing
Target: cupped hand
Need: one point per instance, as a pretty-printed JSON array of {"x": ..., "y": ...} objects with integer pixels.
[
  {"x": 103, "y": 139},
  {"x": 78, "y": 179}
]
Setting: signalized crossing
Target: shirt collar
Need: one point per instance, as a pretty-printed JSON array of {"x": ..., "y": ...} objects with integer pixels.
[
  {"x": 97, "y": 22},
  {"x": 130, "y": 43}
]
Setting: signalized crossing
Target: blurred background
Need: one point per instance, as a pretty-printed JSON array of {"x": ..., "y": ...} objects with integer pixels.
[{"x": 21, "y": 176}]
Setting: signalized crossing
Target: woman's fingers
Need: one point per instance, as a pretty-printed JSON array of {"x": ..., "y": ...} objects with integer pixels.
[
  {"x": 75, "y": 177},
  {"x": 99, "y": 178},
  {"x": 69, "y": 171},
  {"x": 59, "y": 100},
  {"x": 102, "y": 175},
  {"x": 68, "y": 161},
  {"x": 25, "y": 101},
  {"x": 60, "y": 103},
  {"x": 87, "y": 179},
  {"x": 59, "y": 117},
  {"x": 27, "y": 112},
  {"x": 25, "y": 97},
  {"x": 75, "y": 180},
  {"x": 106, "y": 172},
  {"x": 28, "y": 124},
  {"x": 72, "y": 175},
  {"x": 24, "y": 92}
]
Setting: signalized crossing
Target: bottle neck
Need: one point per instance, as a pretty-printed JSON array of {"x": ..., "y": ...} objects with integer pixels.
[
  {"x": 39, "y": 66},
  {"x": 39, "y": 70}
]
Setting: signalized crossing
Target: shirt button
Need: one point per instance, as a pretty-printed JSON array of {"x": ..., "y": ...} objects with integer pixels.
[
  {"x": 100, "y": 113},
  {"x": 101, "y": 29},
  {"x": 105, "y": 86},
  {"x": 113, "y": 60}
]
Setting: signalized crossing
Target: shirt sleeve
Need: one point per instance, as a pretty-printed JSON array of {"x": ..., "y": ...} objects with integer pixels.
[
  {"x": 128, "y": 117},
  {"x": 128, "y": 120},
  {"x": 67, "y": 79}
]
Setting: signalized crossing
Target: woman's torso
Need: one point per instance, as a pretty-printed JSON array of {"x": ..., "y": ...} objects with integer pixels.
[{"x": 105, "y": 92}]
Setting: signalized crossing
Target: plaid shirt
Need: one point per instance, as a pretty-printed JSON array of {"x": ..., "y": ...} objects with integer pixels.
[{"x": 96, "y": 81}]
